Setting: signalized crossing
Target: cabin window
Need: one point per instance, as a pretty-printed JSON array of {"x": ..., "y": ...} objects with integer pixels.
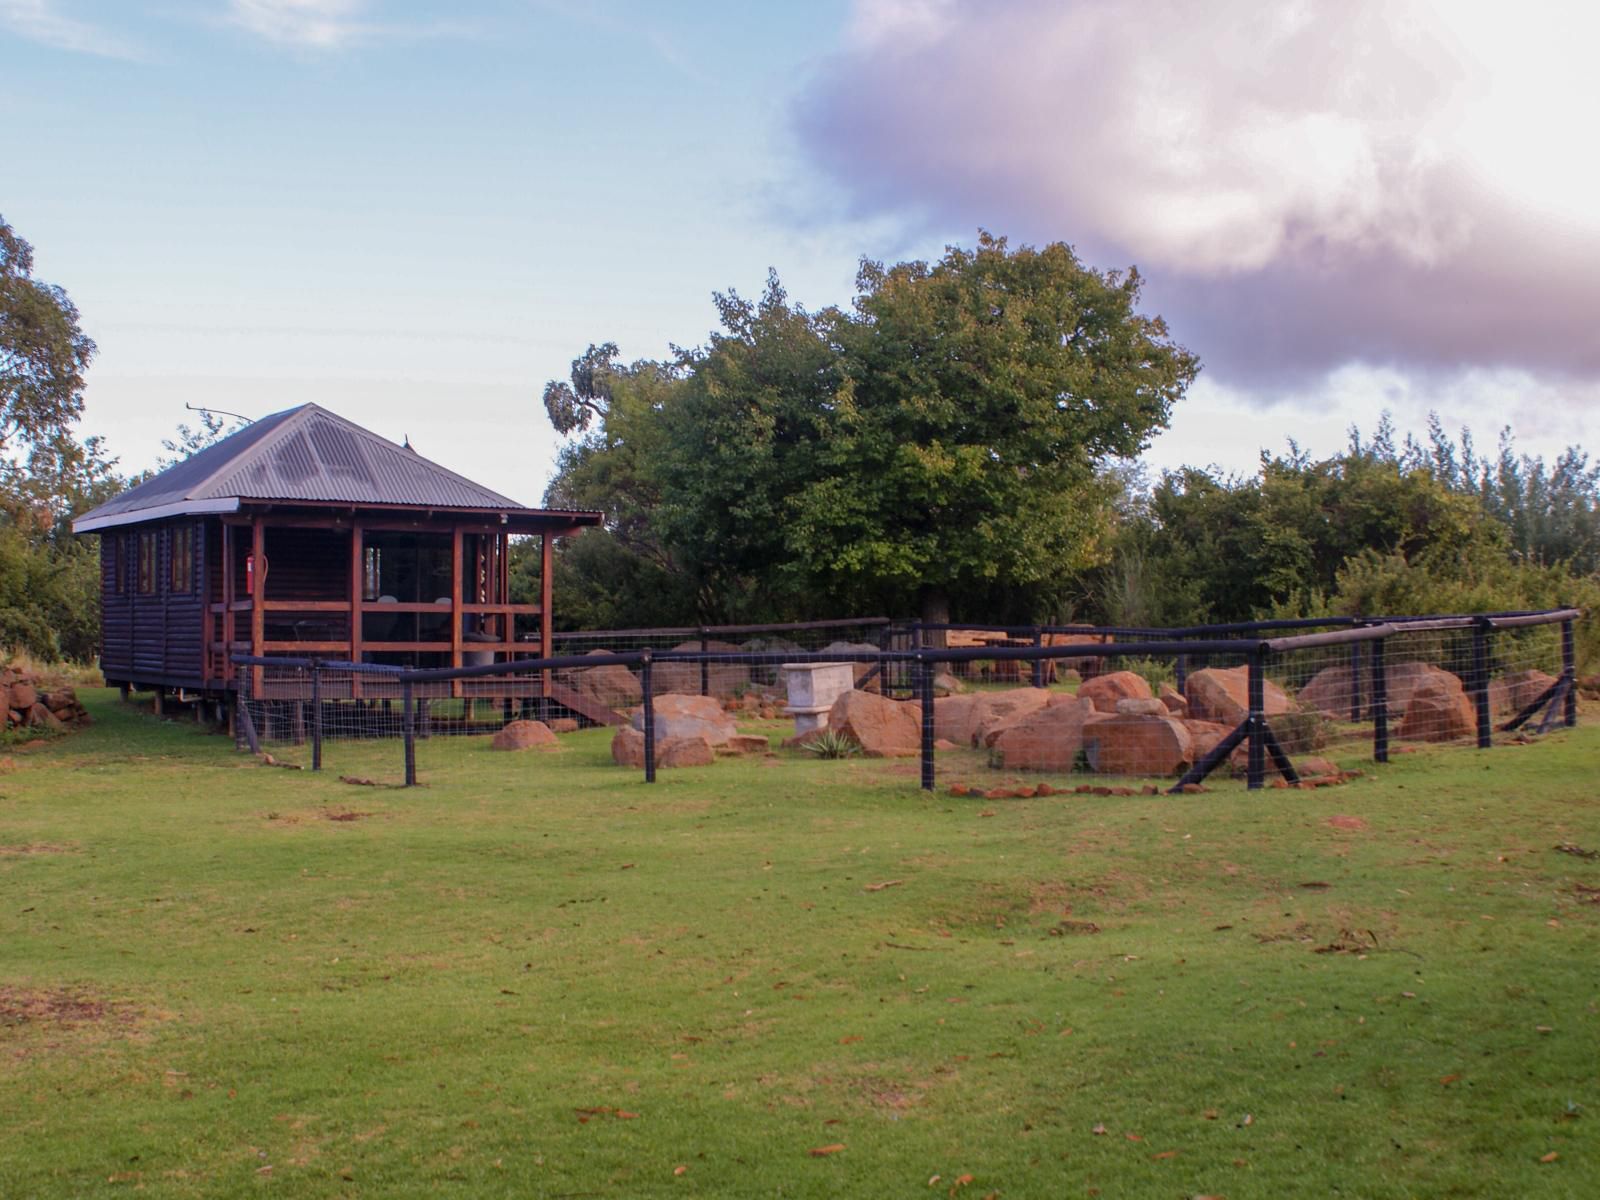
[
  {"x": 182, "y": 578},
  {"x": 147, "y": 561}
]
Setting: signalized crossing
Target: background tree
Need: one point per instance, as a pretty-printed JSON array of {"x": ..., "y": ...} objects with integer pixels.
[
  {"x": 43, "y": 355},
  {"x": 623, "y": 573},
  {"x": 49, "y": 579},
  {"x": 190, "y": 440}
]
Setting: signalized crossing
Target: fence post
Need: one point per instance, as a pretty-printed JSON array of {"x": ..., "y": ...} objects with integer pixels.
[
  {"x": 316, "y": 717},
  {"x": 1569, "y": 672},
  {"x": 1380, "y": 703},
  {"x": 1038, "y": 663},
  {"x": 705, "y": 663},
  {"x": 924, "y": 676},
  {"x": 1257, "y": 772},
  {"x": 408, "y": 727},
  {"x": 1480, "y": 681},
  {"x": 1180, "y": 673},
  {"x": 649, "y": 719},
  {"x": 885, "y": 689}
]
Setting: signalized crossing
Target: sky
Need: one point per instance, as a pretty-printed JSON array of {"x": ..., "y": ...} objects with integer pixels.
[{"x": 416, "y": 213}]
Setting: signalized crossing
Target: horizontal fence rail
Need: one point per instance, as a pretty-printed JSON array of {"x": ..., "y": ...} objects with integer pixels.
[{"x": 1263, "y": 698}]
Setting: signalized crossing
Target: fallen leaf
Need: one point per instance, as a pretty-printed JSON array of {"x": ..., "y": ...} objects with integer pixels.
[
  {"x": 1548, "y": 1158},
  {"x": 934, "y": 1179},
  {"x": 961, "y": 1181},
  {"x": 1249, "y": 1119},
  {"x": 1134, "y": 1137},
  {"x": 852, "y": 1038},
  {"x": 626, "y": 1116},
  {"x": 626, "y": 867},
  {"x": 1449, "y": 1079},
  {"x": 1098, "y": 1129},
  {"x": 824, "y": 1151},
  {"x": 1544, "y": 1029},
  {"x": 1165, "y": 1154},
  {"x": 1210, "y": 1114},
  {"x": 887, "y": 883},
  {"x": 680, "y": 1170}
]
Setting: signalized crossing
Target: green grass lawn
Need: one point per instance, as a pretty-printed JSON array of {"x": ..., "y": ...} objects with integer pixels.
[{"x": 538, "y": 976}]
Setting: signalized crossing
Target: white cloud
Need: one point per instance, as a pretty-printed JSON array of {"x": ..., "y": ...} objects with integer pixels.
[
  {"x": 1304, "y": 183},
  {"x": 318, "y": 24},
  {"x": 329, "y": 24},
  {"x": 45, "y": 22}
]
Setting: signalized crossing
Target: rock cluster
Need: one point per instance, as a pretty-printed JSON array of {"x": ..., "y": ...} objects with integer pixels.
[
  {"x": 34, "y": 704},
  {"x": 690, "y": 731}
]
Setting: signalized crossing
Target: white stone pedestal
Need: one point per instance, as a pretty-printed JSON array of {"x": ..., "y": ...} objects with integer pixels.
[{"x": 812, "y": 688}]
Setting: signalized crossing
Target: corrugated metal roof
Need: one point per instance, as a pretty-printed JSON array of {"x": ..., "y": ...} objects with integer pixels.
[{"x": 301, "y": 454}]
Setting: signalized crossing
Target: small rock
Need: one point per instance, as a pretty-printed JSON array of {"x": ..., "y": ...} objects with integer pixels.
[{"x": 525, "y": 735}]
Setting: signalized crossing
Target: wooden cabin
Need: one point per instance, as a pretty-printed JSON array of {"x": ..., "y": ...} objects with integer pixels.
[{"x": 305, "y": 535}]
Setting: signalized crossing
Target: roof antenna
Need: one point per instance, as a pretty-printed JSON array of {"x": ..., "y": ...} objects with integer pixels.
[
  {"x": 405, "y": 443},
  {"x": 219, "y": 412}
]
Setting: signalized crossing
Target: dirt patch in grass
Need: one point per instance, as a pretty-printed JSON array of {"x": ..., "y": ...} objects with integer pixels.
[
  {"x": 25, "y": 849},
  {"x": 304, "y": 816},
  {"x": 58, "y": 1008},
  {"x": 1354, "y": 824}
]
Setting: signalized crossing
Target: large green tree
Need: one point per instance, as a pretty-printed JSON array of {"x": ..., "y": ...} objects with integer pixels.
[
  {"x": 985, "y": 394},
  {"x": 944, "y": 443}
]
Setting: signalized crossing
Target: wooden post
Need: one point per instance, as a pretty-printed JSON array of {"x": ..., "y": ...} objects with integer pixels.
[
  {"x": 1038, "y": 663},
  {"x": 455, "y": 606},
  {"x": 705, "y": 663},
  {"x": 258, "y": 597},
  {"x": 408, "y": 730},
  {"x": 1256, "y": 771},
  {"x": 228, "y": 631},
  {"x": 546, "y": 567},
  {"x": 208, "y": 624},
  {"x": 1380, "y": 704},
  {"x": 924, "y": 673},
  {"x": 316, "y": 717},
  {"x": 649, "y": 719},
  {"x": 357, "y": 592}
]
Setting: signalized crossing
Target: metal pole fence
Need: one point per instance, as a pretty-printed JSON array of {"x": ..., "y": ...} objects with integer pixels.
[
  {"x": 316, "y": 717},
  {"x": 649, "y": 719}
]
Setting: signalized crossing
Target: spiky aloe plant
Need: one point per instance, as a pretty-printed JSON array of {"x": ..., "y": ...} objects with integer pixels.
[{"x": 830, "y": 743}]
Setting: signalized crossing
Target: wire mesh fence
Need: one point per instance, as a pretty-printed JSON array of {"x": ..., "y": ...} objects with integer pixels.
[{"x": 983, "y": 709}]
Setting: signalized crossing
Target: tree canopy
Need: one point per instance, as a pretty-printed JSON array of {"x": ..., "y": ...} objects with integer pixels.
[
  {"x": 942, "y": 440},
  {"x": 43, "y": 355}
]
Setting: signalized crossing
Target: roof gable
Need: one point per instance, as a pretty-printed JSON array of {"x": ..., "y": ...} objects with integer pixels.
[{"x": 305, "y": 454}]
